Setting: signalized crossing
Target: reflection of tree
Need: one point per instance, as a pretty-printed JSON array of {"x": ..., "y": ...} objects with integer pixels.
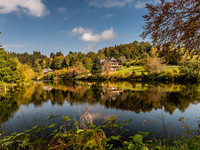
[
  {"x": 8, "y": 106},
  {"x": 120, "y": 95}
]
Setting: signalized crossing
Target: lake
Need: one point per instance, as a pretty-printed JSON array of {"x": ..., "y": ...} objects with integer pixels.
[{"x": 153, "y": 108}]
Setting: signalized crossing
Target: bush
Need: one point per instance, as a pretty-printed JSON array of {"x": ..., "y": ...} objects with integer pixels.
[
  {"x": 153, "y": 64},
  {"x": 93, "y": 137},
  {"x": 190, "y": 70}
]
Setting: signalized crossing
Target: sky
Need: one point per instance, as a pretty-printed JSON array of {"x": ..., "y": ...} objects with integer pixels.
[{"x": 70, "y": 25}]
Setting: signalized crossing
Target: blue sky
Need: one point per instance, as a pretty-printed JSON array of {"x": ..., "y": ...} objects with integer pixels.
[{"x": 69, "y": 25}]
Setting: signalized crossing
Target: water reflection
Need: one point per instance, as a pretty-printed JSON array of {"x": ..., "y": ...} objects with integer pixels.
[{"x": 127, "y": 96}]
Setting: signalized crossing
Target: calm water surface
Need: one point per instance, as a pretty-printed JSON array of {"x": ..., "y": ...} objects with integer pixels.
[{"x": 152, "y": 108}]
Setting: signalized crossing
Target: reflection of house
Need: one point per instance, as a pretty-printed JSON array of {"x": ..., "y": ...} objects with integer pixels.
[
  {"x": 47, "y": 88},
  {"x": 110, "y": 93},
  {"x": 47, "y": 70},
  {"x": 110, "y": 64}
]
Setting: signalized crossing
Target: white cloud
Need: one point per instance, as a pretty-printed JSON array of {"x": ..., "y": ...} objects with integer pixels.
[
  {"x": 31, "y": 7},
  {"x": 109, "y": 3},
  {"x": 15, "y": 45},
  {"x": 81, "y": 30},
  {"x": 89, "y": 36},
  {"x": 140, "y": 4},
  {"x": 62, "y": 10}
]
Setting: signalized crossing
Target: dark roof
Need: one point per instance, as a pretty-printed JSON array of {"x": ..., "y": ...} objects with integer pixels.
[{"x": 109, "y": 60}]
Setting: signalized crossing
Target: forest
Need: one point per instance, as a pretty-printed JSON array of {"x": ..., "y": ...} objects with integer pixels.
[{"x": 140, "y": 60}]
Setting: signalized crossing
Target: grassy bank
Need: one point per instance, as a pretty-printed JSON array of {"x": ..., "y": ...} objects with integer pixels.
[
  {"x": 133, "y": 73},
  {"x": 138, "y": 73}
]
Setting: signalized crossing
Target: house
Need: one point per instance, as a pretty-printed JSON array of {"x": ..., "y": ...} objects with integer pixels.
[
  {"x": 110, "y": 64},
  {"x": 47, "y": 70}
]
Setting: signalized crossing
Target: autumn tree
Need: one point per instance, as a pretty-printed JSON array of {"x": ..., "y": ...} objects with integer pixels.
[
  {"x": 87, "y": 62},
  {"x": 11, "y": 70},
  {"x": 96, "y": 67},
  {"x": 57, "y": 62},
  {"x": 122, "y": 60},
  {"x": 176, "y": 21},
  {"x": 91, "y": 55},
  {"x": 152, "y": 62},
  {"x": 46, "y": 63},
  {"x": 66, "y": 61},
  {"x": 106, "y": 67},
  {"x": 79, "y": 69}
]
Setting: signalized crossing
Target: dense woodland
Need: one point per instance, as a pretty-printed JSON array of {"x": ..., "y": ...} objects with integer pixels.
[
  {"x": 18, "y": 67},
  {"x": 124, "y": 53}
]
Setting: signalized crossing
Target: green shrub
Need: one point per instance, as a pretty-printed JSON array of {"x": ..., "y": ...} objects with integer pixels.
[
  {"x": 93, "y": 137},
  {"x": 190, "y": 71}
]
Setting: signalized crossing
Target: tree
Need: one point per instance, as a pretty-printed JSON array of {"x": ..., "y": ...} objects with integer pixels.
[
  {"x": 79, "y": 69},
  {"x": 57, "y": 62},
  {"x": 11, "y": 70},
  {"x": 115, "y": 53},
  {"x": 96, "y": 67},
  {"x": 177, "y": 21},
  {"x": 106, "y": 67},
  {"x": 52, "y": 55},
  {"x": 46, "y": 63},
  {"x": 7, "y": 67},
  {"x": 73, "y": 57},
  {"x": 59, "y": 54},
  {"x": 87, "y": 62},
  {"x": 169, "y": 54},
  {"x": 144, "y": 47},
  {"x": 66, "y": 61},
  {"x": 91, "y": 55},
  {"x": 191, "y": 71},
  {"x": 36, "y": 66},
  {"x": 122, "y": 60},
  {"x": 152, "y": 62}
]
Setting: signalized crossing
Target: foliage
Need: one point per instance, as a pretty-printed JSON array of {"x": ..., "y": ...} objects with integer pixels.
[
  {"x": 169, "y": 54},
  {"x": 152, "y": 62},
  {"x": 96, "y": 67},
  {"x": 67, "y": 74},
  {"x": 57, "y": 61},
  {"x": 174, "y": 21},
  {"x": 88, "y": 67},
  {"x": 91, "y": 138},
  {"x": 13, "y": 71},
  {"x": 32, "y": 59},
  {"x": 7, "y": 67},
  {"x": 191, "y": 71}
]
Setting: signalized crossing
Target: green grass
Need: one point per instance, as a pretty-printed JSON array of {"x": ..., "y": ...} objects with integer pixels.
[
  {"x": 139, "y": 69},
  {"x": 172, "y": 69}
]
